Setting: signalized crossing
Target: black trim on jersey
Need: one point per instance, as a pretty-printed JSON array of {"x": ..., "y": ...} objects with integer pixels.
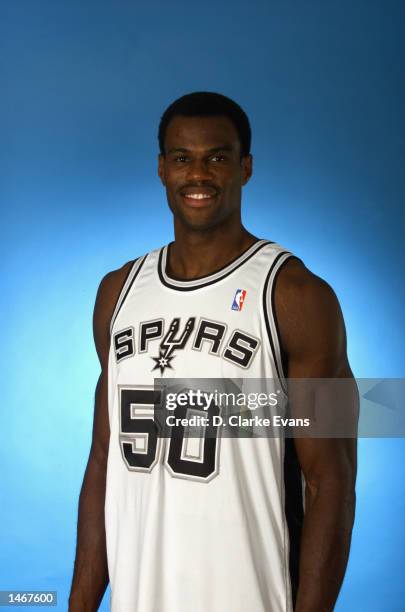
[
  {"x": 283, "y": 354},
  {"x": 128, "y": 289},
  {"x": 294, "y": 510},
  {"x": 293, "y": 489},
  {"x": 266, "y": 314},
  {"x": 211, "y": 282}
]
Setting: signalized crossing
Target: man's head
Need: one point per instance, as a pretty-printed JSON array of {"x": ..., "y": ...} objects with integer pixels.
[{"x": 204, "y": 141}]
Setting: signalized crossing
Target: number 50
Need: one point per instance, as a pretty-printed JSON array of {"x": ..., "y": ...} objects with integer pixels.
[{"x": 141, "y": 430}]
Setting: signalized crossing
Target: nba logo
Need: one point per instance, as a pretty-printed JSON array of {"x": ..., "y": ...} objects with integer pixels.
[{"x": 238, "y": 299}]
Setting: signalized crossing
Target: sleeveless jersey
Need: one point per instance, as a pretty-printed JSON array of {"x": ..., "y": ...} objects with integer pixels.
[{"x": 212, "y": 527}]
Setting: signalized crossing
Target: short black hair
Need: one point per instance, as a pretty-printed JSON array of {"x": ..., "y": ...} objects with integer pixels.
[{"x": 207, "y": 104}]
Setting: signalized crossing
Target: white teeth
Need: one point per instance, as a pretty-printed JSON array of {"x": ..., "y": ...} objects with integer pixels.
[{"x": 198, "y": 196}]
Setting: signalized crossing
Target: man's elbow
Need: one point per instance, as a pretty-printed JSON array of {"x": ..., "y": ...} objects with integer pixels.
[{"x": 337, "y": 492}]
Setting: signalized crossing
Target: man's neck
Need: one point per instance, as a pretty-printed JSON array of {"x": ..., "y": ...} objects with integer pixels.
[{"x": 200, "y": 253}]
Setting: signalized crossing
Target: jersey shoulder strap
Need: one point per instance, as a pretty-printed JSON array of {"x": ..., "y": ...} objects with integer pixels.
[{"x": 129, "y": 281}]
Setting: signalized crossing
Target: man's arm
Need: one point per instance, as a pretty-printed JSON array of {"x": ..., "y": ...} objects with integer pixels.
[
  {"x": 90, "y": 576},
  {"x": 313, "y": 336}
]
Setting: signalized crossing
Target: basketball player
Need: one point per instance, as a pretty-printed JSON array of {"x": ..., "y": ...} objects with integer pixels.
[{"x": 241, "y": 525}]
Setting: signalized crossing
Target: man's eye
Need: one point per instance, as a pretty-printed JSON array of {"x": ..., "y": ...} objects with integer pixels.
[
  {"x": 180, "y": 158},
  {"x": 218, "y": 158}
]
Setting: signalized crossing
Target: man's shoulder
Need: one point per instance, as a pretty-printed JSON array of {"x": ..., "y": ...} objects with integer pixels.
[
  {"x": 296, "y": 283},
  {"x": 113, "y": 281},
  {"x": 272, "y": 252},
  {"x": 307, "y": 310}
]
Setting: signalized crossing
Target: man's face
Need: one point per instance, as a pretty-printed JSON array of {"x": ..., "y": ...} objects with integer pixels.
[{"x": 202, "y": 170}]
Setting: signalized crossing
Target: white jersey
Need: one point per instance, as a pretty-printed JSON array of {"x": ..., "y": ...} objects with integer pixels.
[{"x": 213, "y": 526}]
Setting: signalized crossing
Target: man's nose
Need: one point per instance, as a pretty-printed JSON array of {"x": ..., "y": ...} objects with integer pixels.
[{"x": 198, "y": 170}]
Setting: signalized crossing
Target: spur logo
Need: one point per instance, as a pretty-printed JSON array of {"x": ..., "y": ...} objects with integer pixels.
[{"x": 209, "y": 336}]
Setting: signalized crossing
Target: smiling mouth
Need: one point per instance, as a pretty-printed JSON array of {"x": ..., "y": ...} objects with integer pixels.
[
  {"x": 198, "y": 199},
  {"x": 198, "y": 196}
]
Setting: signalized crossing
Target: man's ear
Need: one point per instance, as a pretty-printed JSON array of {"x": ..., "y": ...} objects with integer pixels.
[
  {"x": 247, "y": 168},
  {"x": 161, "y": 168}
]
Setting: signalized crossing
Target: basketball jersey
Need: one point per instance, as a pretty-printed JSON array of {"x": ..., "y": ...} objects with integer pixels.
[{"x": 212, "y": 527}]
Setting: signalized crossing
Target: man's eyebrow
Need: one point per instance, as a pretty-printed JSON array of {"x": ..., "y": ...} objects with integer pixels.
[{"x": 226, "y": 147}]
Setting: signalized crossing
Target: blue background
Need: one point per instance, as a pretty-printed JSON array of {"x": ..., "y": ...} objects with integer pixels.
[{"x": 83, "y": 85}]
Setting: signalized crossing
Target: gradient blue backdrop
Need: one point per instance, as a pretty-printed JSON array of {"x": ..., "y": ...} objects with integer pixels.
[{"x": 83, "y": 85}]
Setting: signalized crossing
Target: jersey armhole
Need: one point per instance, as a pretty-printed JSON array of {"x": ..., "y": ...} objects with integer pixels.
[
  {"x": 293, "y": 479},
  {"x": 272, "y": 326},
  {"x": 129, "y": 281}
]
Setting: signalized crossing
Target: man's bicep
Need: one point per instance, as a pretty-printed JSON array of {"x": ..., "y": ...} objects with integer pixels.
[
  {"x": 107, "y": 296},
  {"x": 106, "y": 299},
  {"x": 102, "y": 314},
  {"x": 320, "y": 381},
  {"x": 101, "y": 425}
]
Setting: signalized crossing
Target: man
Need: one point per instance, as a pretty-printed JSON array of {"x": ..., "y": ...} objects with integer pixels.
[{"x": 223, "y": 529}]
